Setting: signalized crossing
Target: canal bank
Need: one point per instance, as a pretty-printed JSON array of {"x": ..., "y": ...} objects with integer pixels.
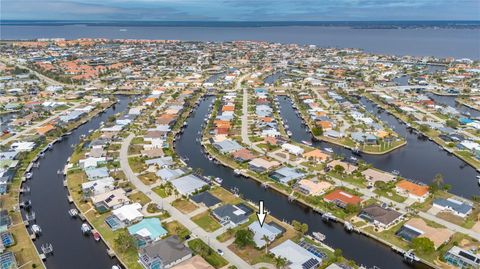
[
  {"x": 48, "y": 196},
  {"x": 354, "y": 246},
  {"x": 411, "y": 160}
]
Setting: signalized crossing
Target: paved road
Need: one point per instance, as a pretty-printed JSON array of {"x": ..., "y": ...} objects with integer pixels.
[
  {"x": 364, "y": 191},
  {"x": 38, "y": 124},
  {"x": 185, "y": 220}
]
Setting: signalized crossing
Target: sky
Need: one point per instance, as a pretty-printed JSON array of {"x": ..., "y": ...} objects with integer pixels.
[{"x": 240, "y": 10}]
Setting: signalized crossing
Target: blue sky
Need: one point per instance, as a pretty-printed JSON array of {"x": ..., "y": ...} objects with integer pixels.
[{"x": 240, "y": 10}]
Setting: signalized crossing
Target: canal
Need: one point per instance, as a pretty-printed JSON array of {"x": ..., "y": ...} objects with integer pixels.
[
  {"x": 49, "y": 202},
  {"x": 360, "y": 248},
  {"x": 420, "y": 159}
]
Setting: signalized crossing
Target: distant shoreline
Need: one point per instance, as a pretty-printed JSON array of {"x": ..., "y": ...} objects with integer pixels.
[{"x": 223, "y": 24}]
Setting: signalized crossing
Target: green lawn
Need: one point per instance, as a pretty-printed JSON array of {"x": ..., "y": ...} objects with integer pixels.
[
  {"x": 202, "y": 249},
  {"x": 176, "y": 228},
  {"x": 207, "y": 222}
]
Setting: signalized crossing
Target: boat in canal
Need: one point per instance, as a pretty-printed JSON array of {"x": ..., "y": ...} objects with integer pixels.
[
  {"x": 330, "y": 150},
  {"x": 85, "y": 228},
  {"x": 73, "y": 212},
  {"x": 96, "y": 236},
  {"x": 319, "y": 236},
  {"x": 36, "y": 229}
]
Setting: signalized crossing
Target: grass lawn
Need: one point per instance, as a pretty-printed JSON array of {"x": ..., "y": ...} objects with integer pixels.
[
  {"x": 148, "y": 178},
  {"x": 202, "y": 249},
  {"x": 207, "y": 222},
  {"x": 134, "y": 149},
  {"x": 225, "y": 196},
  {"x": 252, "y": 255},
  {"x": 392, "y": 195},
  {"x": 137, "y": 164},
  {"x": 184, "y": 205},
  {"x": 139, "y": 197},
  {"x": 162, "y": 191},
  {"x": 176, "y": 228}
]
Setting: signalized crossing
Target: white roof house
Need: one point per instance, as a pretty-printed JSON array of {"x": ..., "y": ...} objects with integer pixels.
[
  {"x": 270, "y": 231},
  {"x": 298, "y": 257},
  {"x": 188, "y": 184},
  {"x": 293, "y": 149},
  {"x": 97, "y": 187},
  {"x": 129, "y": 213}
]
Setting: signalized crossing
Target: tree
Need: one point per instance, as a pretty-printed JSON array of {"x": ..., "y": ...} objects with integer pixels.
[
  {"x": 243, "y": 238},
  {"x": 437, "y": 183},
  {"x": 280, "y": 262},
  {"x": 267, "y": 241},
  {"x": 452, "y": 123},
  {"x": 339, "y": 169},
  {"x": 125, "y": 242},
  {"x": 422, "y": 245},
  {"x": 317, "y": 131},
  {"x": 304, "y": 228}
]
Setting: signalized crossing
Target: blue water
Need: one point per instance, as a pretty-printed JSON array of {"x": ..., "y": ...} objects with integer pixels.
[{"x": 426, "y": 41}]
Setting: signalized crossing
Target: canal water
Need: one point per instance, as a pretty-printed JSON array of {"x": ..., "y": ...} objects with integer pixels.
[
  {"x": 420, "y": 159},
  {"x": 360, "y": 248},
  {"x": 49, "y": 202},
  {"x": 450, "y": 101}
]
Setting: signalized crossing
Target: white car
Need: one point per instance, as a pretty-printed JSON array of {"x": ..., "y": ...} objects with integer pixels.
[{"x": 220, "y": 252}]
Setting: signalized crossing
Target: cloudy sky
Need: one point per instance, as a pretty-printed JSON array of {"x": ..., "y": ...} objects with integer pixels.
[{"x": 240, "y": 10}]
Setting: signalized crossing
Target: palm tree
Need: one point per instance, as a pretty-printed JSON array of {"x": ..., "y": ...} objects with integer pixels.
[
  {"x": 267, "y": 241},
  {"x": 438, "y": 180},
  {"x": 280, "y": 262}
]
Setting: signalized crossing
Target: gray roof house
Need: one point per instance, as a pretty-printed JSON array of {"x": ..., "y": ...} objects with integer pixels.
[
  {"x": 227, "y": 146},
  {"x": 270, "y": 231},
  {"x": 286, "y": 174},
  {"x": 164, "y": 253},
  {"x": 188, "y": 184},
  {"x": 379, "y": 216},
  {"x": 230, "y": 215},
  {"x": 458, "y": 208}
]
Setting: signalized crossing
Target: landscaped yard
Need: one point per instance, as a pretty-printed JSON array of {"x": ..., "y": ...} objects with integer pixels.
[
  {"x": 139, "y": 197},
  {"x": 207, "y": 222},
  {"x": 210, "y": 255},
  {"x": 225, "y": 196},
  {"x": 174, "y": 227},
  {"x": 162, "y": 191},
  {"x": 148, "y": 178},
  {"x": 136, "y": 164}
]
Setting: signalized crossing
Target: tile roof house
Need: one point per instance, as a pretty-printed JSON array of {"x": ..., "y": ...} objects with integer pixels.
[
  {"x": 313, "y": 187},
  {"x": 380, "y": 217},
  {"x": 342, "y": 198},
  {"x": 243, "y": 155},
  {"x": 316, "y": 155},
  {"x": 164, "y": 253},
  {"x": 262, "y": 165},
  {"x": 412, "y": 190},
  {"x": 417, "y": 227}
]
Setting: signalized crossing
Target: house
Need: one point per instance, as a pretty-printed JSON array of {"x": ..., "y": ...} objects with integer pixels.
[
  {"x": 129, "y": 213},
  {"x": 417, "y": 227},
  {"x": 293, "y": 149},
  {"x": 260, "y": 165},
  {"x": 381, "y": 217},
  {"x": 286, "y": 174},
  {"x": 458, "y": 208},
  {"x": 8, "y": 260},
  {"x": 260, "y": 232},
  {"x": 110, "y": 200},
  {"x": 188, "y": 184},
  {"x": 374, "y": 175},
  {"x": 462, "y": 258},
  {"x": 164, "y": 253},
  {"x": 316, "y": 155},
  {"x": 347, "y": 167},
  {"x": 97, "y": 173},
  {"x": 232, "y": 215},
  {"x": 313, "y": 187},
  {"x": 96, "y": 187},
  {"x": 342, "y": 198},
  {"x": 205, "y": 198},
  {"x": 243, "y": 155},
  {"x": 169, "y": 174},
  {"x": 147, "y": 231},
  {"x": 412, "y": 190},
  {"x": 196, "y": 262},
  {"x": 227, "y": 146},
  {"x": 91, "y": 162},
  {"x": 297, "y": 256}
]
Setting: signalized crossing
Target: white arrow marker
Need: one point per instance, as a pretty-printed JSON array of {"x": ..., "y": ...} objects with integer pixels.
[{"x": 261, "y": 213}]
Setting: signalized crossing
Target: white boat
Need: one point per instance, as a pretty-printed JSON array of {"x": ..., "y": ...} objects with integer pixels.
[
  {"x": 328, "y": 150},
  {"x": 73, "y": 212},
  {"x": 348, "y": 226},
  {"x": 319, "y": 236},
  {"x": 353, "y": 158},
  {"x": 237, "y": 171},
  {"x": 307, "y": 143},
  {"x": 116, "y": 267},
  {"x": 218, "y": 180},
  {"x": 395, "y": 172},
  {"x": 28, "y": 175},
  {"x": 86, "y": 228},
  {"x": 289, "y": 133},
  {"x": 36, "y": 229},
  {"x": 42, "y": 154}
]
